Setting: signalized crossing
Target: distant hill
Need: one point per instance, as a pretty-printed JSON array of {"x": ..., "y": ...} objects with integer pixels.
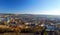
[{"x": 36, "y": 16}]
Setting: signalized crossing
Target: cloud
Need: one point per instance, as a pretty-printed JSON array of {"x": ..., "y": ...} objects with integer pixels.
[
  {"x": 57, "y": 12},
  {"x": 49, "y": 12},
  {"x": 53, "y": 12}
]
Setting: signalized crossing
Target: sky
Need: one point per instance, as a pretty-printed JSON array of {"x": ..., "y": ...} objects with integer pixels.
[{"x": 49, "y": 7}]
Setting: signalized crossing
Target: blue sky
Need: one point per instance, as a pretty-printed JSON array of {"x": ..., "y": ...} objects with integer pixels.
[{"x": 30, "y": 6}]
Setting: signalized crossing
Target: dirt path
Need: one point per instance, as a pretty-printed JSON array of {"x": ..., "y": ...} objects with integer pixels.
[{"x": 16, "y": 34}]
